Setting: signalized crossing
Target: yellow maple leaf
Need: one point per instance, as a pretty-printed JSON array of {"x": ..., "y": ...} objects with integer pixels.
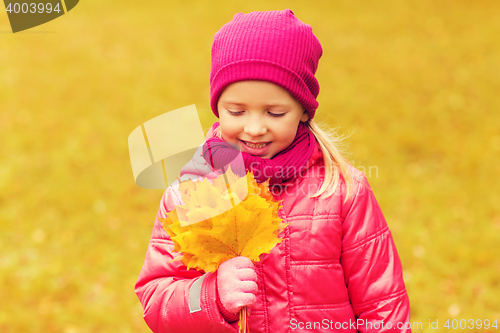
[{"x": 232, "y": 216}]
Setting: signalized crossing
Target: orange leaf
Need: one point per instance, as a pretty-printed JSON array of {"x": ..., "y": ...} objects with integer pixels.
[{"x": 232, "y": 216}]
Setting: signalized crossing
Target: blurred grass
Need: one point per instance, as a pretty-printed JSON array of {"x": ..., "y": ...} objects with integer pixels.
[{"x": 416, "y": 82}]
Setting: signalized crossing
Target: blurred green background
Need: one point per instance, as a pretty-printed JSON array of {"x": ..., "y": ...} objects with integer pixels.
[{"x": 415, "y": 83}]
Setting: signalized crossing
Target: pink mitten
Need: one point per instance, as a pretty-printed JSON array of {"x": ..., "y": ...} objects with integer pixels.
[{"x": 237, "y": 283}]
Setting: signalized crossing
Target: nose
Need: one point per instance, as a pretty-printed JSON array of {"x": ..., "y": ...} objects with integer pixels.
[{"x": 255, "y": 127}]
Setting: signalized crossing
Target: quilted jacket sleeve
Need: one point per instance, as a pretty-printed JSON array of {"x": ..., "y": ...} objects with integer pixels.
[
  {"x": 372, "y": 268},
  {"x": 174, "y": 299}
]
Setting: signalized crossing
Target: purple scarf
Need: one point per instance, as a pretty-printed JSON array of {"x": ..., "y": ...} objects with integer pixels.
[{"x": 282, "y": 167}]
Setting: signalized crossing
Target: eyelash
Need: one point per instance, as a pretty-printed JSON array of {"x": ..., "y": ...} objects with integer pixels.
[{"x": 275, "y": 115}]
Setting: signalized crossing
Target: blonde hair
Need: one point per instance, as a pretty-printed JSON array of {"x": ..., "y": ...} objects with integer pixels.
[{"x": 336, "y": 164}]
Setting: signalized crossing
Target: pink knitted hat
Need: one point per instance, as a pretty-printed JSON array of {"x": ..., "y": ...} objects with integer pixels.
[{"x": 272, "y": 46}]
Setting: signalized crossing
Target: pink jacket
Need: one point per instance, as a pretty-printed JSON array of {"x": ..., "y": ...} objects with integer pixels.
[{"x": 337, "y": 268}]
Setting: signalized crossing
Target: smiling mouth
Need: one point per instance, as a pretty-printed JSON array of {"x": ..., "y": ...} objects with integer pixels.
[{"x": 252, "y": 145}]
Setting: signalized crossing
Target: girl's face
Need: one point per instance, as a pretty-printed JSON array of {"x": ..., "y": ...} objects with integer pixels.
[{"x": 254, "y": 113}]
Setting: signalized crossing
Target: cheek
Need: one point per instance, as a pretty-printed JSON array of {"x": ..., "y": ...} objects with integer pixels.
[
  {"x": 289, "y": 139},
  {"x": 228, "y": 132},
  {"x": 287, "y": 136}
]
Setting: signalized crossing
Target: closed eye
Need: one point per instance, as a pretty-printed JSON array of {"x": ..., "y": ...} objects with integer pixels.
[
  {"x": 276, "y": 115},
  {"x": 237, "y": 113},
  {"x": 234, "y": 113}
]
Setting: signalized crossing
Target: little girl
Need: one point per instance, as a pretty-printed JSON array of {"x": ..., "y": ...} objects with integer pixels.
[{"x": 337, "y": 268}]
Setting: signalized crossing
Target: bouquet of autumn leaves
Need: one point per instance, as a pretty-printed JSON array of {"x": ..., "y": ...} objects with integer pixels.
[{"x": 234, "y": 216}]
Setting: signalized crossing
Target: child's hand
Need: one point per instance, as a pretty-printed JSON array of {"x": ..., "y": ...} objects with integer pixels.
[{"x": 237, "y": 283}]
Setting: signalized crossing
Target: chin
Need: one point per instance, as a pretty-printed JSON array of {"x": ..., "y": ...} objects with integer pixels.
[{"x": 268, "y": 156}]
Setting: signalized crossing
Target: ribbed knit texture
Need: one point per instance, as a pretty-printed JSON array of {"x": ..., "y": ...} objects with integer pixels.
[
  {"x": 282, "y": 167},
  {"x": 272, "y": 46}
]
